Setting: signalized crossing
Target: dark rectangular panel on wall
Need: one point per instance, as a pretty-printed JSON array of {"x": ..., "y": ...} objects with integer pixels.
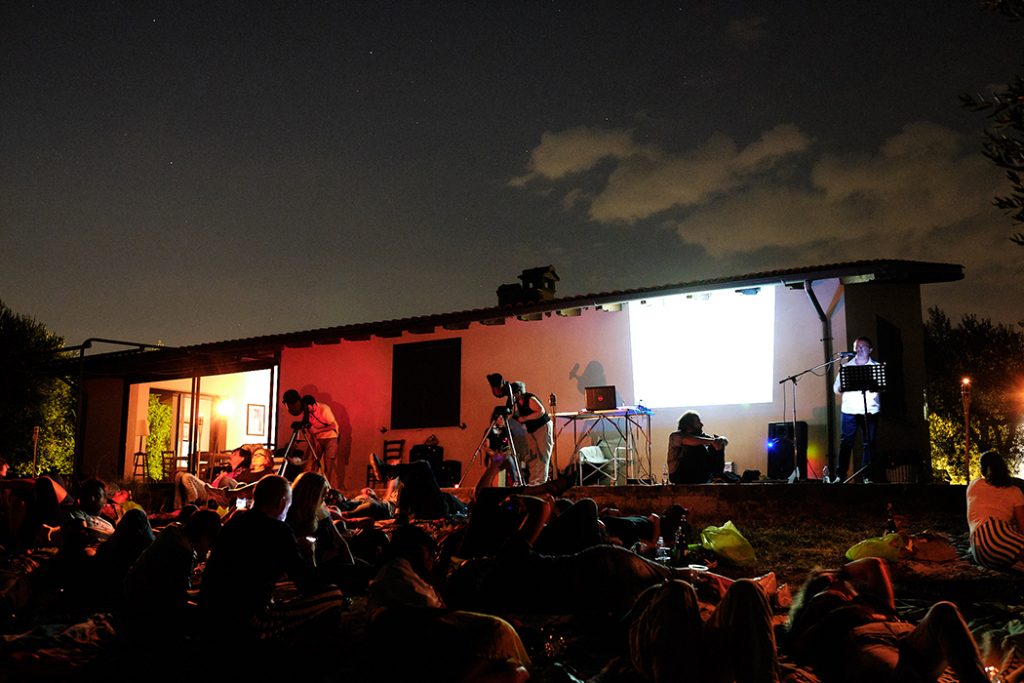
[
  {"x": 780, "y": 449},
  {"x": 426, "y": 384},
  {"x": 889, "y": 350}
]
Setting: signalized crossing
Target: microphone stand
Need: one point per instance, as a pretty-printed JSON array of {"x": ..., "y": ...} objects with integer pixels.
[{"x": 795, "y": 476}]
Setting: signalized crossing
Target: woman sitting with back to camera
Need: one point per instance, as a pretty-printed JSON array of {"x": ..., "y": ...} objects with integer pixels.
[{"x": 995, "y": 515}]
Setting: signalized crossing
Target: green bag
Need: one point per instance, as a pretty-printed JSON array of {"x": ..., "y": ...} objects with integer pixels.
[
  {"x": 886, "y": 547},
  {"x": 728, "y": 543}
]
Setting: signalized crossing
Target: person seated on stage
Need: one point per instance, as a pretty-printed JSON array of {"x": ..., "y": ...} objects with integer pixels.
[
  {"x": 995, "y": 515},
  {"x": 255, "y": 549},
  {"x": 438, "y": 644},
  {"x": 693, "y": 456},
  {"x": 843, "y": 623},
  {"x": 419, "y": 496},
  {"x": 530, "y": 412}
]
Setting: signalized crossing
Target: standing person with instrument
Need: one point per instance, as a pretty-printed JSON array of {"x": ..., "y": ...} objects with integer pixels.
[{"x": 528, "y": 410}]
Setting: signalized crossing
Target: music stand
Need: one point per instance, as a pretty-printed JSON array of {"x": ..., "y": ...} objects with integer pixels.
[{"x": 863, "y": 378}]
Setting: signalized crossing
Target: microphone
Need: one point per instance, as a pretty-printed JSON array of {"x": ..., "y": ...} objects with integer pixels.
[{"x": 846, "y": 354}]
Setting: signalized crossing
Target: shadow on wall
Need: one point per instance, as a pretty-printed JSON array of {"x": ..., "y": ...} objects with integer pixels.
[{"x": 593, "y": 376}]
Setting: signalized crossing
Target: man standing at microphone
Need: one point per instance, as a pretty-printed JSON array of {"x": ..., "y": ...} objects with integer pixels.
[{"x": 854, "y": 417}]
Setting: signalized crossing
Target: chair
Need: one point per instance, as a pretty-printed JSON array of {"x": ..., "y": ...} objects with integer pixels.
[
  {"x": 391, "y": 455},
  {"x": 139, "y": 470},
  {"x": 393, "y": 451},
  {"x": 595, "y": 467},
  {"x": 172, "y": 464}
]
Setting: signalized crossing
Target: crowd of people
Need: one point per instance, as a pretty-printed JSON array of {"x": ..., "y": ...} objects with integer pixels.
[{"x": 253, "y": 562}]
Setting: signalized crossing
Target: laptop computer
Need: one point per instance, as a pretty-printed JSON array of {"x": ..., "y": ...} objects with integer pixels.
[{"x": 600, "y": 398}]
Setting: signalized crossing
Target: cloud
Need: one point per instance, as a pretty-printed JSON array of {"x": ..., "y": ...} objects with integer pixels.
[
  {"x": 923, "y": 180},
  {"x": 925, "y": 193},
  {"x": 576, "y": 150},
  {"x": 646, "y": 180},
  {"x": 775, "y": 192}
]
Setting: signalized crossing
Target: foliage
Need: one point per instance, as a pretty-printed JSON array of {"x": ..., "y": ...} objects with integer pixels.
[
  {"x": 1004, "y": 143},
  {"x": 947, "y": 439},
  {"x": 992, "y": 356},
  {"x": 29, "y": 399},
  {"x": 159, "y": 438}
]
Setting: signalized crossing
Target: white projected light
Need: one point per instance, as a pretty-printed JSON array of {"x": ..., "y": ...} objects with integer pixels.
[{"x": 712, "y": 348}]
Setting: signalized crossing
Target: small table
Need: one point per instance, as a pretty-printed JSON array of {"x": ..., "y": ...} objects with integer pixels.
[{"x": 632, "y": 424}]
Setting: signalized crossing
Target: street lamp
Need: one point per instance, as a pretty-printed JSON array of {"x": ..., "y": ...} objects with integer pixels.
[{"x": 965, "y": 397}]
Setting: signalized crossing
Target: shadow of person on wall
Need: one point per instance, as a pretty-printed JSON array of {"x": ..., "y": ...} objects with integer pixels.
[{"x": 593, "y": 376}]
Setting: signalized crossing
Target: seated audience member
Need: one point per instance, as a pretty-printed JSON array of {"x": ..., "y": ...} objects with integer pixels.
[
  {"x": 119, "y": 501},
  {"x": 256, "y": 549},
  {"x": 230, "y": 484},
  {"x": 82, "y": 531},
  {"x": 131, "y": 537},
  {"x": 420, "y": 496},
  {"x": 35, "y": 509},
  {"x": 83, "y": 528},
  {"x": 368, "y": 504},
  {"x": 669, "y": 642},
  {"x": 693, "y": 456},
  {"x": 995, "y": 515},
  {"x": 437, "y": 644},
  {"x": 155, "y": 596},
  {"x": 311, "y": 522},
  {"x": 843, "y": 623}
]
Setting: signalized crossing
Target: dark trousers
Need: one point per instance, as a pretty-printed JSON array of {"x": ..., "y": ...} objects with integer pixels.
[{"x": 851, "y": 425}]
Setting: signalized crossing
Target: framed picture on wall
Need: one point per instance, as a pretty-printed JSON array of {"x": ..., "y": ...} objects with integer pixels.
[{"x": 255, "y": 419}]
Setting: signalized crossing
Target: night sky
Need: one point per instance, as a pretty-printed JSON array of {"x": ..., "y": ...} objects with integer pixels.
[{"x": 197, "y": 171}]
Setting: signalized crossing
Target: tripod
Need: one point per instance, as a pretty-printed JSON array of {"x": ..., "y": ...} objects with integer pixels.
[
  {"x": 290, "y": 463},
  {"x": 513, "y": 457}
]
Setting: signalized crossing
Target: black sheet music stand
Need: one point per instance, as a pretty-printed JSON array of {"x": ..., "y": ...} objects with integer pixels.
[{"x": 863, "y": 378}]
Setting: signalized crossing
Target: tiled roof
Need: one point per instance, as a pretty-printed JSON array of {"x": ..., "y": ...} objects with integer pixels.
[{"x": 252, "y": 352}]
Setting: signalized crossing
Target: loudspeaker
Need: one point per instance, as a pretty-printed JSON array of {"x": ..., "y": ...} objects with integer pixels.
[
  {"x": 780, "y": 449},
  {"x": 432, "y": 454},
  {"x": 450, "y": 474}
]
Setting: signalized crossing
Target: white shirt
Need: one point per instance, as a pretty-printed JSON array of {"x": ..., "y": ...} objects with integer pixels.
[
  {"x": 853, "y": 401},
  {"x": 985, "y": 501}
]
